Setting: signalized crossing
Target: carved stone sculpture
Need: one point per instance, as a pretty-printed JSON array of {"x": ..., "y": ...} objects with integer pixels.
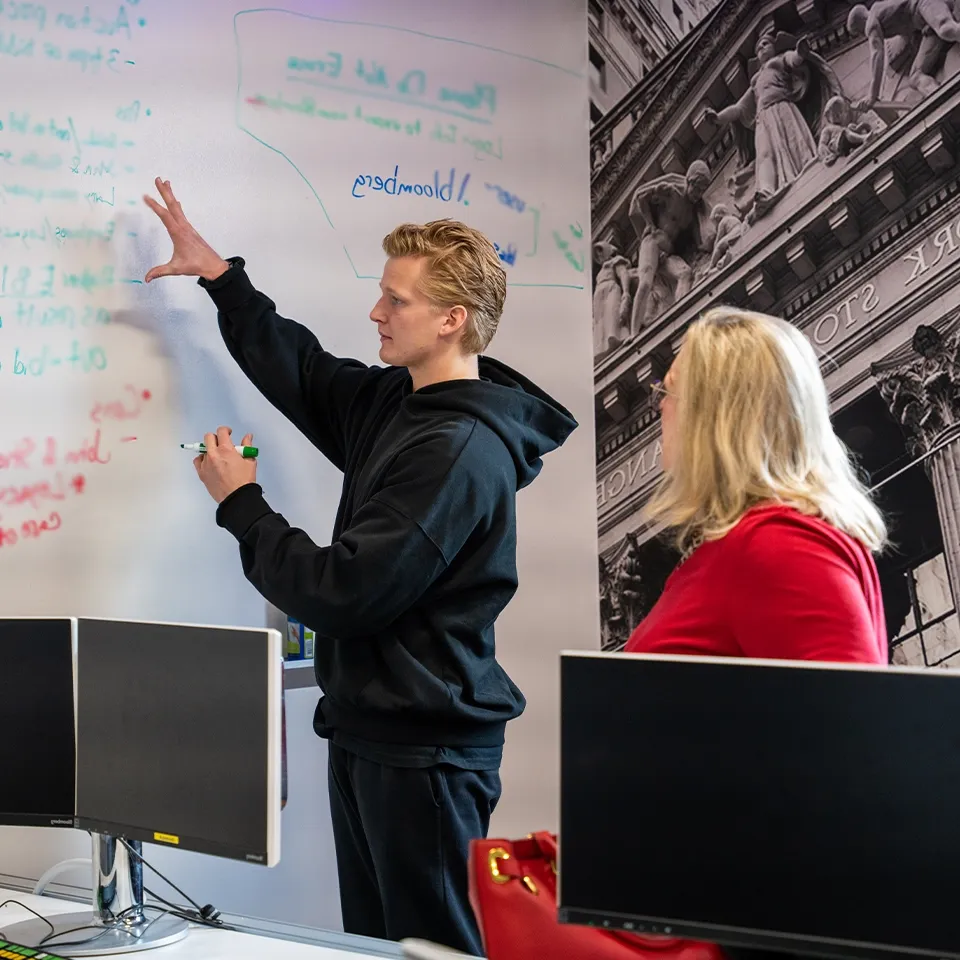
[
  {"x": 611, "y": 632},
  {"x": 611, "y": 298},
  {"x": 670, "y": 218},
  {"x": 921, "y": 31},
  {"x": 777, "y": 120},
  {"x": 729, "y": 229},
  {"x": 845, "y": 130},
  {"x": 600, "y": 154},
  {"x": 633, "y": 598},
  {"x": 924, "y": 394}
]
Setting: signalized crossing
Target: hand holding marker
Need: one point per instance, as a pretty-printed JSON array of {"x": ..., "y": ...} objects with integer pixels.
[{"x": 248, "y": 453}]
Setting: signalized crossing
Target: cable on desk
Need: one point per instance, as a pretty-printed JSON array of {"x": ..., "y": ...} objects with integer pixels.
[
  {"x": 23, "y": 906},
  {"x": 208, "y": 915}
]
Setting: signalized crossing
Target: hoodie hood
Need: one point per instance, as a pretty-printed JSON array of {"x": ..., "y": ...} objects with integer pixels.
[{"x": 528, "y": 421}]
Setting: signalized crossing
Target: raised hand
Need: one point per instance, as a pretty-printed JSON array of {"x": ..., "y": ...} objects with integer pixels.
[{"x": 192, "y": 255}]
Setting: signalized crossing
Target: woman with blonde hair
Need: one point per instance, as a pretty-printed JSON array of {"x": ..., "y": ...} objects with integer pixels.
[{"x": 776, "y": 531}]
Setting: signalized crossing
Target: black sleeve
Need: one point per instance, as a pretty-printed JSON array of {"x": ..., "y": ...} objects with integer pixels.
[
  {"x": 285, "y": 362},
  {"x": 381, "y": 564}
]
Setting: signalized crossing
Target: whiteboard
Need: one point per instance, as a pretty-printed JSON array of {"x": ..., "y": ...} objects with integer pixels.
[
  {"x": 274, "y": 182},
  {"x": 296, "y": 137}
]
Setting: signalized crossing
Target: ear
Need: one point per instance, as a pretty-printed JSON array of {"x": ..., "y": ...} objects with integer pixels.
[{"x": 455, "y": 319}]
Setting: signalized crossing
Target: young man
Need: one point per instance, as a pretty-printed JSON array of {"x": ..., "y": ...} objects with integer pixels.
[{"x": 433, "y": 448}]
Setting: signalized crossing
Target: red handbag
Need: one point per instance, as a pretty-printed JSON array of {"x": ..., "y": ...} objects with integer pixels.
[{"x": 513, "y": 892}]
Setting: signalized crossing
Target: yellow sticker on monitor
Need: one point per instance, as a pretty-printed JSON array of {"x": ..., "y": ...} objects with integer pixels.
[{"x": 166, "y": 838}]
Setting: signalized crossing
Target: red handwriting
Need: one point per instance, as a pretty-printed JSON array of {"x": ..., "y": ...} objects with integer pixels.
[
  {"x": 29, "y": 529},
  {"x": 33, "y": 528},
  {"x": 129, "y": 407},
  {"x": 19, "y": 457},
  {"x": 36, "y": 493},
  {"x": 88, "y": 452}
]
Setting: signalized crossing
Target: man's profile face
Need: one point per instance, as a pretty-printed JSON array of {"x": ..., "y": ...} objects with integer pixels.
[{"x": 409, "y": 324}]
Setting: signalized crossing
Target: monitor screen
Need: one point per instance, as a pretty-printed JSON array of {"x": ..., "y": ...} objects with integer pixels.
[
  {"x": 800, "y": 807},
  {"x": 179, "y": 736},
  {"x": 37, "y": 730}
]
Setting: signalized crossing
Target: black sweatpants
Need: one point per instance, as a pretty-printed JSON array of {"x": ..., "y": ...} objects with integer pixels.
[{"x": 403, "y": 836}]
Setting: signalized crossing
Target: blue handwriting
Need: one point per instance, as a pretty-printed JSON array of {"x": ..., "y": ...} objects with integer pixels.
[
  {"x": 506, "y": 198},
  {"x": 394, "y": 186}
]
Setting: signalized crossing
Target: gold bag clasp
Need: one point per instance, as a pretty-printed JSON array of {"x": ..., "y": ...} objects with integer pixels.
[{"x": 494, "y": 857}]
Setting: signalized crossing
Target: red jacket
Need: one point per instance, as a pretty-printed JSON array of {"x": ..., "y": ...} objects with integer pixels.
[{"x": 779, "y": 585}]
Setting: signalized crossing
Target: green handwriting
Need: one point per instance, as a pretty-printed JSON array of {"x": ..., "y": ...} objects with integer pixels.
[
  {"x": 80, "y": 359},
  {"x": 30, "y": 314},
  {"x": 33, "y": 16},
  {"x": 482, "y": 147},
  {"x": 367, "y": 77},
  {"x": 26, "y": 282},
  {"x": 85, "y": 58},
  {"x": 577, "y": 261},
  {"x": 39, "y": 194}
]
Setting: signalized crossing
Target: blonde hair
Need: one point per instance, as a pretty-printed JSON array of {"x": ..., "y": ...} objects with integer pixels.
[
  {"x": 462, "y": 269},
  {"x": 753, "y": 426}
]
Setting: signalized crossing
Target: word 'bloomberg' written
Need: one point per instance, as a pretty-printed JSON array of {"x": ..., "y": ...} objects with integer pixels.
[{"x": 394, "y": 186}]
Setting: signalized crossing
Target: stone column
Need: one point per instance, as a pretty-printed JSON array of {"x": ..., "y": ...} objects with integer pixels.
[
  {"x": 945, "y": 475},
  {"x": 922, "y": 391}
]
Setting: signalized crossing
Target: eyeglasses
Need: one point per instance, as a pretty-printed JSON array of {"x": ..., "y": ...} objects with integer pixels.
[{"x": 658, "y": 391}]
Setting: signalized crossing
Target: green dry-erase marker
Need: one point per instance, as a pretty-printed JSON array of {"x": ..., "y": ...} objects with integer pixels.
[{"x": 248, "y": 452}]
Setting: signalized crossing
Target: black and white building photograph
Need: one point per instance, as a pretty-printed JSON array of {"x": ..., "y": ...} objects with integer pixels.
[{"x": 798, "y": 158}]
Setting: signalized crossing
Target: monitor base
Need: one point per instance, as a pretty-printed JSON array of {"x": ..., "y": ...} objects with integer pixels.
[
  {"x": 84, "y": 935},
  {"x": 120, "y": 921}
]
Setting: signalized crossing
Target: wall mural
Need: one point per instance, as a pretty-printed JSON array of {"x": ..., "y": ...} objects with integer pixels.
[{"x": 799, "y": 159}]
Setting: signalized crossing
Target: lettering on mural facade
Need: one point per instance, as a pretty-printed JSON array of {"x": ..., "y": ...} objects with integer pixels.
[
  {"x": 624, "y": 478},
  {"x": 844, "y": 315},
  {"x": 910, "y": 271},
  {"x": 932, "y": 252}
]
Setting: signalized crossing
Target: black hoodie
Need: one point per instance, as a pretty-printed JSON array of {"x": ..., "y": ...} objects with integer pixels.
[{"x": 423, "y": 552}]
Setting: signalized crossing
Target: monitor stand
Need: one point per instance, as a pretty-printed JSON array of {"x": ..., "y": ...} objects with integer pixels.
[{"x": 119, "y": 921}]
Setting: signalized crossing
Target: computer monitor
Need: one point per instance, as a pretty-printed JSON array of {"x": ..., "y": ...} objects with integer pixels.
[
  {"x": 179, "y": 744},
  {"x": 37, "y": 727},
  {"x": 798, "y": 807},
  {"x": 179, "y": 736}
]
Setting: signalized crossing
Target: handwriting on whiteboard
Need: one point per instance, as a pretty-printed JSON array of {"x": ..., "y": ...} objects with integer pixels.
[
  {"x": 368, "y": 78},
  {"x": 428, "y": 117},
  {"x": 41, "y": 475},
  {"x": 452, "y": 187},
  {"x": 31, "y": 31}
]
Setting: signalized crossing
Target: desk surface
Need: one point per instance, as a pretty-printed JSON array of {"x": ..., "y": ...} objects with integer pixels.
[{"x": 201, "y": 943}]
